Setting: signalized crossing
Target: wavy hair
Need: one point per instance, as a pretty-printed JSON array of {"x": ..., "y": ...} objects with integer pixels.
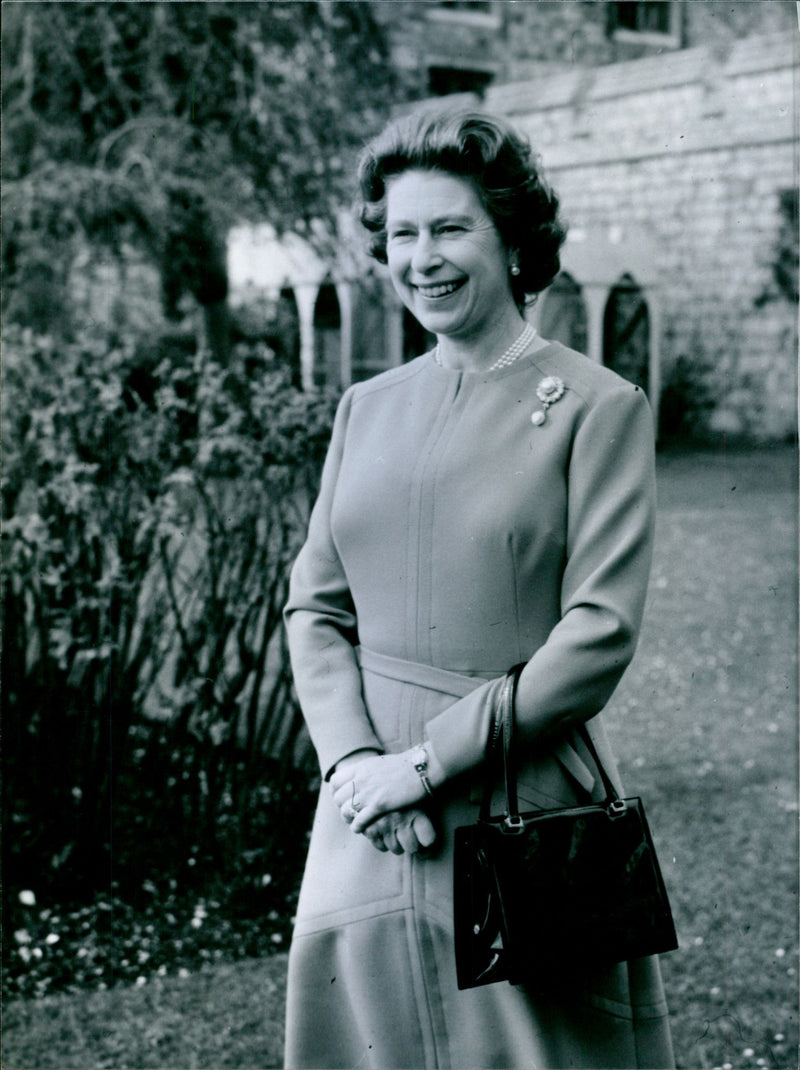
[{"x": 500, "y": 162}]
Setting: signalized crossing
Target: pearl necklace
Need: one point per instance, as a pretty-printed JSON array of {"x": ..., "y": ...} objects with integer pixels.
[{"x": 514, "y": 351}]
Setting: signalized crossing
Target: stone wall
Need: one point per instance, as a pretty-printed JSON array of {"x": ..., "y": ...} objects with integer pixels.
[
  {"x": 582, "y": 33},
  {"x": 695, "y": 147},
  {"x": 685, "y": 161},
  {"x": 520, "y": 40}
]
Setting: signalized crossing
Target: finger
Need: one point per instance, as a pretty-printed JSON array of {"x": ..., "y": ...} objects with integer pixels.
[
  {"x": 423, "y": 829},
  {"x": 343, "y": 793},
  {"x": 377, "y": 843},
  {"x": 407, "y": 838},
  {"x": 375, "y": 835},
  {"x": 347, "y": 810},
  {"x": 383, "y": 831},
  {"x": 340, "y": 777},
  {"x": 347, "y": 800},
  {"x": 364, "y": 818},
  {"x": 392, "y": 842}
]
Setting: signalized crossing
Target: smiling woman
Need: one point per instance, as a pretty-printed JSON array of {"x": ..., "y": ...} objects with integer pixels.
[
  {"x": 488, "y": 503},
  {"x": 449, "y": 265}
]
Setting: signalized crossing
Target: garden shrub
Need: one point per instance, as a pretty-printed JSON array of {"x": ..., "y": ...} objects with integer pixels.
[
  {"x": 687, "y": 400},
  {"x": 154, "y": 752}
]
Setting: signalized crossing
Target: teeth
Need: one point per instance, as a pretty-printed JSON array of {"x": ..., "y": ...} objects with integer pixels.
[{"x": 441, "y": 290}]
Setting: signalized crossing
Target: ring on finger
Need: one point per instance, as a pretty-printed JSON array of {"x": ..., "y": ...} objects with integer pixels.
[{"x": 353, "y": 801}]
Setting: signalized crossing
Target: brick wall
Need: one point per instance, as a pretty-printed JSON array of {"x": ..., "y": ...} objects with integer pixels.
[{"x": 695, "y": 147}]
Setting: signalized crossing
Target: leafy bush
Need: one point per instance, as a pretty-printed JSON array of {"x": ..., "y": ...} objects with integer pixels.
[
  {"x": 687, "y": 400},
  {"x": 151, "y": 734},
  {"x": 166, "y": 925}
]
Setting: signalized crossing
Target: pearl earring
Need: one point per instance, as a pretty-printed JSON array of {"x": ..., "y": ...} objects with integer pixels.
[{"x": 514, "y": 269}]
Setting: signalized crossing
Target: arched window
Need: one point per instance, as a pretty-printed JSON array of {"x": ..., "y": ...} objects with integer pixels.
[
  {"x": 283, "y": 335},
  {"x": 369, "y": 334},
  {"x": 564, "y": 313},
  {"x": 626, "y": 332},
  {"x": 327, "y": 338},
  {"x": 416, "y": 340}
]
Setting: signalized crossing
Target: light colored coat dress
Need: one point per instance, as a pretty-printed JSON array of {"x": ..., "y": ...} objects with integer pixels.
[{"x": 452, "y": 538}]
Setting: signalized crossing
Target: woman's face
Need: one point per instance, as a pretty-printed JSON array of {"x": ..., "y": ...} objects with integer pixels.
[{"x": 446, "y": 259}]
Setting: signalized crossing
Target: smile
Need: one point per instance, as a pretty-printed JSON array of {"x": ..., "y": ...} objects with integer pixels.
[{"x": 441, "y": 289}]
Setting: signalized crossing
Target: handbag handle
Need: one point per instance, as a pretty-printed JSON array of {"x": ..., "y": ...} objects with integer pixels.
[{"x": 505, "y": 730}]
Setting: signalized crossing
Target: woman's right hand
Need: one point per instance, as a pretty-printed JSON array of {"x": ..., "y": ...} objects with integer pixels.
[{"x": 401, "y": 831}]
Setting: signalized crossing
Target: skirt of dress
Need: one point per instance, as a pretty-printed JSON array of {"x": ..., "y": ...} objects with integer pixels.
[{"x": 372, "y": 970}]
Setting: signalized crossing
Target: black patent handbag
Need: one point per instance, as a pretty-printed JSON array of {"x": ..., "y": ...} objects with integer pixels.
[{"x": 544, "y": 895}]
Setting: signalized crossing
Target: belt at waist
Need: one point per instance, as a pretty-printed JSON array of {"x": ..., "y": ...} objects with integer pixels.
[
  {"x": 429, "y": 676},
  {"x": 459, "y": 685}
]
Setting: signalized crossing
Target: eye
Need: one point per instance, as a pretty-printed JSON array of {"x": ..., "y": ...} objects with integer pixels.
[
  {"x": 450, "y": 228},
  {"x": 400, "y": 233}
]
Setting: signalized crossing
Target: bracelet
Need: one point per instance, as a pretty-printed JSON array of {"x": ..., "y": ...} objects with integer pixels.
[{"x": 419, "y": 758}]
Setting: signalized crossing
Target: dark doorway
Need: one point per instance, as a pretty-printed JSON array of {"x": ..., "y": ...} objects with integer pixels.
[
  {"x": 284, "y": 333},
  {"x": 626, "y": 333},
  {"x": 564, "y": 314},
  {"x": 327, "y": 339},
  {"x": 416, "y": 340}
]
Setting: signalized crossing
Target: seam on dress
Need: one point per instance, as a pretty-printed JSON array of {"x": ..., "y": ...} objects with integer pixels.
[
  {"x": 386, "y": 380},
  {"x": 428, "y": 971},
  {"x": 449, "y": 426},
  {"x": 416, "y": 975},
  {"x": 512, "y": 542},
  {"x": 418, "y": 482},
  {"x": 379, "y": 908},
  {"x": 617, "y": 1009}
]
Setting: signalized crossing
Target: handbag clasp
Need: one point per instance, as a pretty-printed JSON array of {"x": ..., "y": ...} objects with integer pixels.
[{"x": 616, "y": 808}]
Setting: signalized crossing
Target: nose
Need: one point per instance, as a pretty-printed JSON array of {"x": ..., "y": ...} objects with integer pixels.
[{"x": 426, "y": 256}]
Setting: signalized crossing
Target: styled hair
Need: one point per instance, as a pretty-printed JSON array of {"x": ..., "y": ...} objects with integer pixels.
[{"x": 506, "y": 173}]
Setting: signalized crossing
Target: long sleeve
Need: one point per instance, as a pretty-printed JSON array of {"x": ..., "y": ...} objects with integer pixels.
[
  {"x": 322, "y": 628},
  {"x": 610, "y": 522}
]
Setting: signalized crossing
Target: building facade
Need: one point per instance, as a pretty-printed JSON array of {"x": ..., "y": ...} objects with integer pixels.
[{"x": 676, "y": 165}]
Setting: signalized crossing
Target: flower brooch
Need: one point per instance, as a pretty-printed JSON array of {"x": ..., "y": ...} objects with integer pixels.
[{"x": 548, "y": 392}]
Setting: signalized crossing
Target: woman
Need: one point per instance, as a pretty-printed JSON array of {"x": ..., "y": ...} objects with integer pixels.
[{"x": 488, "y": 503}]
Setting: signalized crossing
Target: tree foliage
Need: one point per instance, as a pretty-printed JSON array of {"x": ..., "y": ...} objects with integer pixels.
[
  {"x": 164, "y": 123},
  {"x": 156, "y": 489},
  {"x": 149, "y": 723}
]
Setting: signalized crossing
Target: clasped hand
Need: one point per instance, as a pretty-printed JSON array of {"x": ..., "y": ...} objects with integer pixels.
[{"x": 376, "y": 797}]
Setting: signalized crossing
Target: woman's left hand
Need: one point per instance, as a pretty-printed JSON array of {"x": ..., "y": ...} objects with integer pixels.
[
  {"x": 376, "y": 786},
  {"x": 401, "y": 832}
]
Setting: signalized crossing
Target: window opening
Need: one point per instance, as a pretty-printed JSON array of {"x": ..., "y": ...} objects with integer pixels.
[
  {"x": 564, "y": 318},
  {"x": 445, "y": 80},
  {"x": 483, "y": 13},
  {"x": 369, "y": 354},
  {"x": 327, "y": 339},
  {"x": 788, "y": 251},
  {"x": 652, "y": 20},
  {"x": 626, "y": 333},
  {"x": 283, "y": 333},
  {"x": 416, "y": 340}
]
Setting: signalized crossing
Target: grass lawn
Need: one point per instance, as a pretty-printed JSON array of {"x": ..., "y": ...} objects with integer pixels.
[
  {"x": 228, "y": 1016},
  {"x": 705, "y": 726}
]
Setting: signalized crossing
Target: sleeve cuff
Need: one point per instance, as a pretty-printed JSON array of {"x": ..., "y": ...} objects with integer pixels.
[
  {"x": 376, "y": 749},
  {"x": 458, "y": 736}
]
